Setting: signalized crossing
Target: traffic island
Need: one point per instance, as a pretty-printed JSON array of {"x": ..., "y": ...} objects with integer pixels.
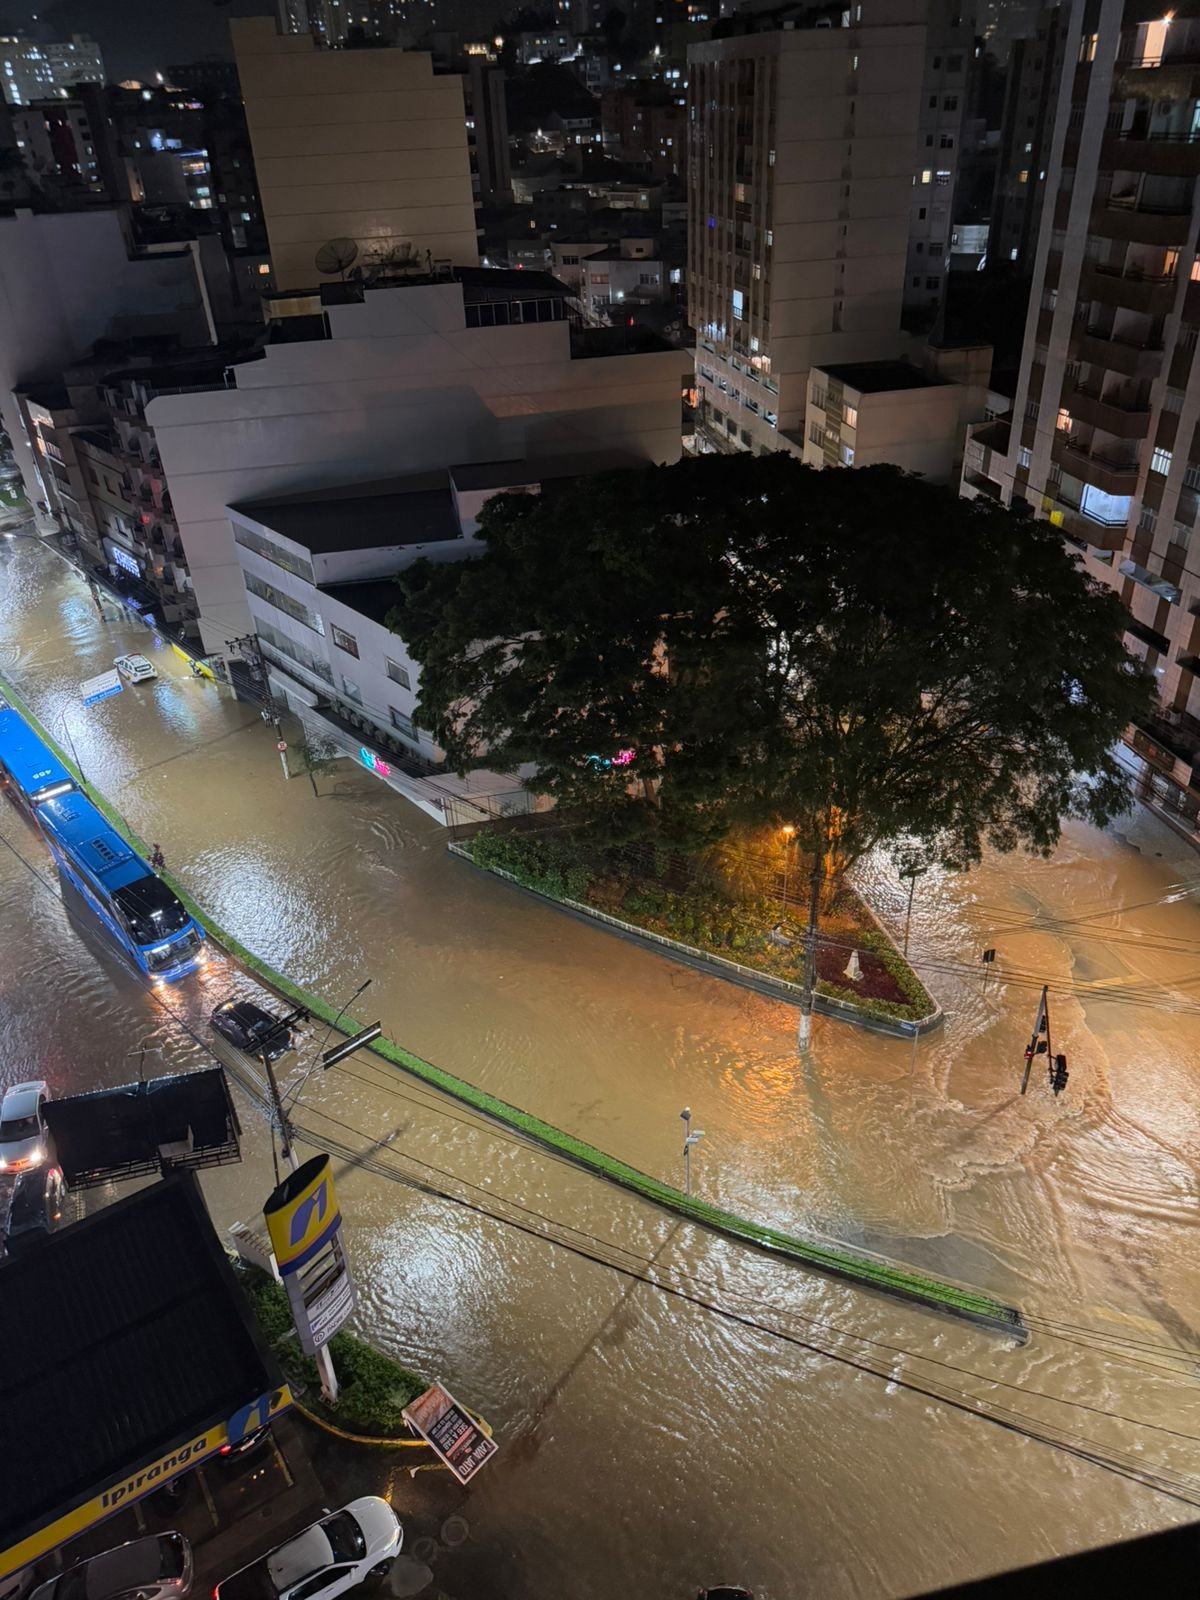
[
  {"x": 374, "y": 1389},
  {"x": 756, "y": 943}
]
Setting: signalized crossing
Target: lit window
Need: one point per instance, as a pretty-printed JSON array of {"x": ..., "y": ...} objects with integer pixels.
[
  {"x": 1023, "y": 175},
  {"x": 1160, "y": 461},
  {"x": 1024, "y": 456},
  {"x": 847, "y": 455},
  {"x": 739, "y": 305},
  {"x": 1064, "y": 420},
  {"x": 263, "y": 268},
  {"x": 927, "y": 175},
  {"x": 1195, "y": 272},
  {"x": 850, "y": 416}
]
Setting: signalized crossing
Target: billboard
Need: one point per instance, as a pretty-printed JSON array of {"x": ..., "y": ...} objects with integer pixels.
[
  {"x": 456, "y": 1437},
  {"x": 305, "y": 1226}
]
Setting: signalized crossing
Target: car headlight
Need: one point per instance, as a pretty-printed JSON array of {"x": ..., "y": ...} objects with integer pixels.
[{"x": 36, "y": 1153}]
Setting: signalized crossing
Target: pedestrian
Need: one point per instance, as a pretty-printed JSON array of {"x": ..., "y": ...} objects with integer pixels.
[{"x": 157, "y": 860}]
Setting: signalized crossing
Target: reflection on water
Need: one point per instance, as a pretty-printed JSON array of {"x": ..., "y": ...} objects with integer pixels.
[{"x": 651, "y": 1444}]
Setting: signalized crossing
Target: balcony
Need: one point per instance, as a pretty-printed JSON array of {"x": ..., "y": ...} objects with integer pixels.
[
  {"x": 1123, "y": 421},
  {"x": 1171, "y": 155},
  {"x": 1155, "y": 582},
  {"x": 1123, "y": 218},
  {"x": 1082, "y": 530},
  {"x": 1131, "y": 290},
  {"x": 1116, "y": 475},
  {"x": 1099, "y": 348}
]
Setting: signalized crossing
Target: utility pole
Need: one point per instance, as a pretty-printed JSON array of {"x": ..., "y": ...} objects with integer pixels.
[
  {"x": 329, "y": 1383},
  {"x": 788, "y": 832},
  {"x": 689, "y": 1139},
  {"x": 248, "y": 647},
  {"x": 810, "y": 951},
  {"x": 1039, "y": 1040}
]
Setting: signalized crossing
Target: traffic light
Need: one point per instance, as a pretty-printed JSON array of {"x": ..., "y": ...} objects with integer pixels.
[{"x": 1059, "y": 1075}]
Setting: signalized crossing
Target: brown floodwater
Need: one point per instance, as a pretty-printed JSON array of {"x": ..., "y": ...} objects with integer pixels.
[{"x": 756, "y": 1424}]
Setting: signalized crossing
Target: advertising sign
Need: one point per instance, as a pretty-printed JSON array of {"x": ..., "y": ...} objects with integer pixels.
[
  {"x": 305, "y": 1226},
  {"x": 457, "y": 1438},
  {"x": 101, "y": 687}
]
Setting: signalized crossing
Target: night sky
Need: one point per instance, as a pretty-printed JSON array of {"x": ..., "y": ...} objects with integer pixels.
[{"x": 137, "y": 37}]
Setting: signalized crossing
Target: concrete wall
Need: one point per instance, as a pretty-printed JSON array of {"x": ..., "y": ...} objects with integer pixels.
[
  {"x": 403, "y": 386},
  {"x": 359, "y": 144},
  {"x": 66, "y": 280}
]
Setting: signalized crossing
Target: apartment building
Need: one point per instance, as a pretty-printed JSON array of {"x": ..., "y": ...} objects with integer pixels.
[
  {"x": 320, "y": 574},
  {"x": 360, "y": 145},
  {"x": 949, "y": 52},
  {"x": 1035, "y": 71},
  {"x": 32, "y": 71},
  {"x": 613, "y": 281},
  {"x": 359, "y": 383},
  {"x": 861, "y": 414},
  {"x": 68, "y": 279},
  {"x": 1104, "y": 440},
  {"x": 800, "y": 188}
]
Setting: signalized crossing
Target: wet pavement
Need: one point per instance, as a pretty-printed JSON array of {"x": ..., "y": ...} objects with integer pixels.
[{"x": 744, "y": 1421}]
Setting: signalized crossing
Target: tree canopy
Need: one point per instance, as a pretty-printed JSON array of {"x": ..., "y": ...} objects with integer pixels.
[{"x": 733, "y": 641}]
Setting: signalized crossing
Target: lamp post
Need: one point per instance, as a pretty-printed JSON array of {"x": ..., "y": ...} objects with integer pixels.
[
  {"x": 66, "y": 727},
  {"x": 912, "y": 874},
  {"x": 788, "y": 832},
  {"x": 689, "y": 1140}
]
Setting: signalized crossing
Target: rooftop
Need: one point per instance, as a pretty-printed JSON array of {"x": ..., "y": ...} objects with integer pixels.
[
  {"x": 124, "y": 1336},
  {"x": 399, "y": 511},
  {"x": 881, "y": 377},
  {"x": 374, "y": 598}
]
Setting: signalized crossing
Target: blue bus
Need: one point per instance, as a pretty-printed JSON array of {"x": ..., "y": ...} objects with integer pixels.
[
  {"x": 138, "y": 909},
  {"x": 29, "y": 773}
]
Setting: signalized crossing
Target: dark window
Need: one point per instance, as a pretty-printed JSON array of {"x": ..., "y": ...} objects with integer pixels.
[
  {"x": 399, "y": 720},
  {"x": 344, "y": 641},
  {"x": 397, "y": 673}
]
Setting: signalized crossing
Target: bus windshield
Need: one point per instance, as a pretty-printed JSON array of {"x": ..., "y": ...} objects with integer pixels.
[{"x": 150, "y": 910}]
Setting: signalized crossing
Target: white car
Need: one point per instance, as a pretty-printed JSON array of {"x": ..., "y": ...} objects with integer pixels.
[
  {"x": 325, "y": 1560},
  {"x": 23, "y": 1126},
  {"x": 136, "y": 668}
]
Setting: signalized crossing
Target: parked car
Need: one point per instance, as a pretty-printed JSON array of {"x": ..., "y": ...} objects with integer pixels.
[
  {"x": 23, "y": 1126},
  {"x": 155, "y": 1568},
  {"x": 325, "y": 1560},
  {"x": 246, "y": 1025},
  {"x": 136, "y": 668},
  {"x": 34, "y": 1208}
]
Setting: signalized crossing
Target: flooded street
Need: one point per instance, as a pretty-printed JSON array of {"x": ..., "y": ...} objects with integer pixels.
[{"x": 743, "y": 1420}]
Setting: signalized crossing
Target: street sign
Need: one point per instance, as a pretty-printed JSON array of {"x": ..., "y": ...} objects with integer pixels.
[
  {"x": 281, "y": 746},
  {"x": 459, "y": 1440},
  {"x": 101, "y": 687},
  {"x": 305, "y": 1226},
  {"x": 341, "y": 1051}
]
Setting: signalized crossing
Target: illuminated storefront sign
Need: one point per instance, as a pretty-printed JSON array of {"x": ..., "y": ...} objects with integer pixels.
[
  {"x": 623, "y": 758},
  {"x": 305, "y": 1226},
  {"x": 374, "y": 763}
]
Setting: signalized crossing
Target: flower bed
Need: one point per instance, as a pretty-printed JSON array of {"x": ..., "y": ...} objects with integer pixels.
[{"x": 755, "y": 933}]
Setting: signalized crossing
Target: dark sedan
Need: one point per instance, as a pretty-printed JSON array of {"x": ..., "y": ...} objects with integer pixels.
[{"x": 247, "y": 1026}]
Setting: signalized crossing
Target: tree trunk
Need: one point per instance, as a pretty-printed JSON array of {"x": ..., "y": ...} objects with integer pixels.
[{"x": 312, "y": 779}]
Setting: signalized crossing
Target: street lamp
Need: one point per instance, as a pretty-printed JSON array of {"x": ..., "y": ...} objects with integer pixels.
[
  {"x": 912, "y": 873},
  {"x": 689, "y": 1140},
  {"x": 788, "y": 832}
]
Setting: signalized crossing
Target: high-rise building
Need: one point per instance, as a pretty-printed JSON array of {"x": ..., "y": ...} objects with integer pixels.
[
  {"x": 32, "y": 71},
  {"x": 487, "y": 131},
  {"x": 949, "y": 52},
  {"x": 800, "y": 183},
  {"x": 361, "y": 145},
  {"x": 1104, "y": 436},
  {"x": 1035, "y": 67}
]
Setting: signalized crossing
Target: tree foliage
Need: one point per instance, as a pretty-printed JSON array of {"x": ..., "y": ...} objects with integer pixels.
[{"x": 860, "y": 653}]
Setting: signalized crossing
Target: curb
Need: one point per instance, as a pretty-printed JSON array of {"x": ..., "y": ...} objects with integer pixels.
[
  {"x": 687, "y": 955},
  {"x": 866, "y": 1272}
]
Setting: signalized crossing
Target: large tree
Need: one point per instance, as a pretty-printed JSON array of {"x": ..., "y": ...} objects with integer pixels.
[{"x": 858, "y": 653}]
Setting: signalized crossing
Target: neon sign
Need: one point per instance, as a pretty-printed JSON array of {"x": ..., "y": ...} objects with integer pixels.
[
  {"x": 623, "y": 758},
  {"x": 374, "y": 763}
]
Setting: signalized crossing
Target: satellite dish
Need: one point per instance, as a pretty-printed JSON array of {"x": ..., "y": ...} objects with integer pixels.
[{"x": 336, "y": 256}]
